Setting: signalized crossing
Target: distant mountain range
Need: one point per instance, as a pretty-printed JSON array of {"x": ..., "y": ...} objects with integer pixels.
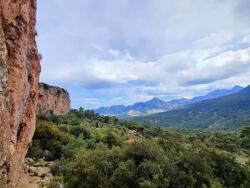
[
  {"x": 226, "y": 112},
  {"x": 215, "y": 94},
  {"x": 156, "y": 105}
]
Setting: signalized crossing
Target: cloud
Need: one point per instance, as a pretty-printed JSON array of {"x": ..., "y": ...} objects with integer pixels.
[
  {"x": 242, "y": 10},
  {"x": 134, "y": 50},
  {"x": 246, "y": 40},
  {"x": 89, "y": 101},
  {"x": 186, "y": 67}
]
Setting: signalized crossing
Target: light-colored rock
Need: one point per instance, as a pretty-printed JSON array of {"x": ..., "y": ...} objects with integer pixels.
[
  {"x": 60, "y": 185},
  {"x": 32, "y": 170},
  {"x": 29, "y": 160},
  {"x": 38, "y": 171},
  {"x": 42, "y": 171}
]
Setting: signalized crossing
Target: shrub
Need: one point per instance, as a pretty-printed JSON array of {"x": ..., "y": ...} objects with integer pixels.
[
  {"x": 48, "y": 137},
  {"x": 80, "y": 131}
]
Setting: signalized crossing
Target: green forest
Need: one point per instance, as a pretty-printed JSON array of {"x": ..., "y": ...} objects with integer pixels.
[
  {"x": 225, "y": 113},
  {"x": 89, "y": 150}
]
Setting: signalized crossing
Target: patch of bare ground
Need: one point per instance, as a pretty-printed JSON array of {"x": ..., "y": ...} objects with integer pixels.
[{"x": 34, "y": 176}]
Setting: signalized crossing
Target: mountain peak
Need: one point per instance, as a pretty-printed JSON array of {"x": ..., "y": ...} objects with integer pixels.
[
  {"x": 246, "y": 89},
  {"x": 224, "y": 110},
  {"x": 157, "y": 105},
  {"x": 155, "y": 99}
]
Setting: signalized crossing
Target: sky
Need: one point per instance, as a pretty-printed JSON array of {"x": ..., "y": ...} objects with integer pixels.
[{"x": 111, "y": 52}]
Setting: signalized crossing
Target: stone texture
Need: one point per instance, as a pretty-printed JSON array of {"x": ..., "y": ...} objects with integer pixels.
[
  {"x": 19, "y": 75},
  {"x": 53, "y": 100}
]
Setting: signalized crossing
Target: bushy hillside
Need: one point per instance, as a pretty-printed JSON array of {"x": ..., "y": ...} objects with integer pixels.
[
  {"x": 229, "y": 112},
  {"x": 88, "y": 150}
]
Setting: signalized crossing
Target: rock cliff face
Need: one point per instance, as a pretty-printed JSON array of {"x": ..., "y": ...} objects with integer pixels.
[
  {"x": 19, "y": 72},
  {"x": 52, "y": 99}
]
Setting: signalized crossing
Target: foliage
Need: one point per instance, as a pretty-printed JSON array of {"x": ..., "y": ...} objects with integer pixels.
[
  {"x": 225, "y": 113},
  {"x": 94, "y": 153},
  {"x": 49, "y": 139},
  {"x": 245, "y": 137}
]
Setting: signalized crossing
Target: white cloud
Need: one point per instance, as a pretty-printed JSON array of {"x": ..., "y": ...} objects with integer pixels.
[
  {"x": 89, "y": 101},
  {"x": 246, "y": 40},
  {"x": 214, "y": 39},
  {"x": 192, "y": 67},
  {"x": 161, "y": 47}
]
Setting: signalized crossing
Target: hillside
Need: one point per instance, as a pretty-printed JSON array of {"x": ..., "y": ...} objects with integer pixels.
[
  {"x": 83, "y": 149},
  {"x": 216, "y": 94},
  {"x": 157, "y": 105},
  {"x": 228, "y": 112}
]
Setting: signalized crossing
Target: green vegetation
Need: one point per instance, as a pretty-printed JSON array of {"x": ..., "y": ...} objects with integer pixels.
[
  {"x": 90, "y": 150},
  {"x": 226, "y": 113}
]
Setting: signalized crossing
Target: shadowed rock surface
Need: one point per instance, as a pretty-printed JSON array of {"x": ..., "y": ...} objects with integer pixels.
[
  {"x": 53, "y": 100},
  {"x": 19, "y": 75}
]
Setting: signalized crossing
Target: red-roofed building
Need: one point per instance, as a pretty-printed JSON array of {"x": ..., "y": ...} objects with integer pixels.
[{"x": 130, "y": 140}]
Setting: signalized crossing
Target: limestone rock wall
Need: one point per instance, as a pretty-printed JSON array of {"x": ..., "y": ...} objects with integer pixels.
[
  {"x": 53, "y": 100},
  {"x": 19, "y": 75}
]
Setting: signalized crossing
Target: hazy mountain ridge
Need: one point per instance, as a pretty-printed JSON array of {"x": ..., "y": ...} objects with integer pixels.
[
  {"x": 152, "y": 106},
  {"x": 227, "y": 112},
  {"x": 157, "y": 105},
  {"x": 215, "y": 94}
]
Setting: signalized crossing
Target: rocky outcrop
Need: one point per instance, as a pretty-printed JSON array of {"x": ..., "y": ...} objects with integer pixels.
[
  {"x": 19, "y": 72},
  {"x": 53, "y": 100}
]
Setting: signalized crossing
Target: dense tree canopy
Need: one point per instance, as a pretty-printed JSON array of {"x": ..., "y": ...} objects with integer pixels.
[{"x": 92, "y": 151}]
